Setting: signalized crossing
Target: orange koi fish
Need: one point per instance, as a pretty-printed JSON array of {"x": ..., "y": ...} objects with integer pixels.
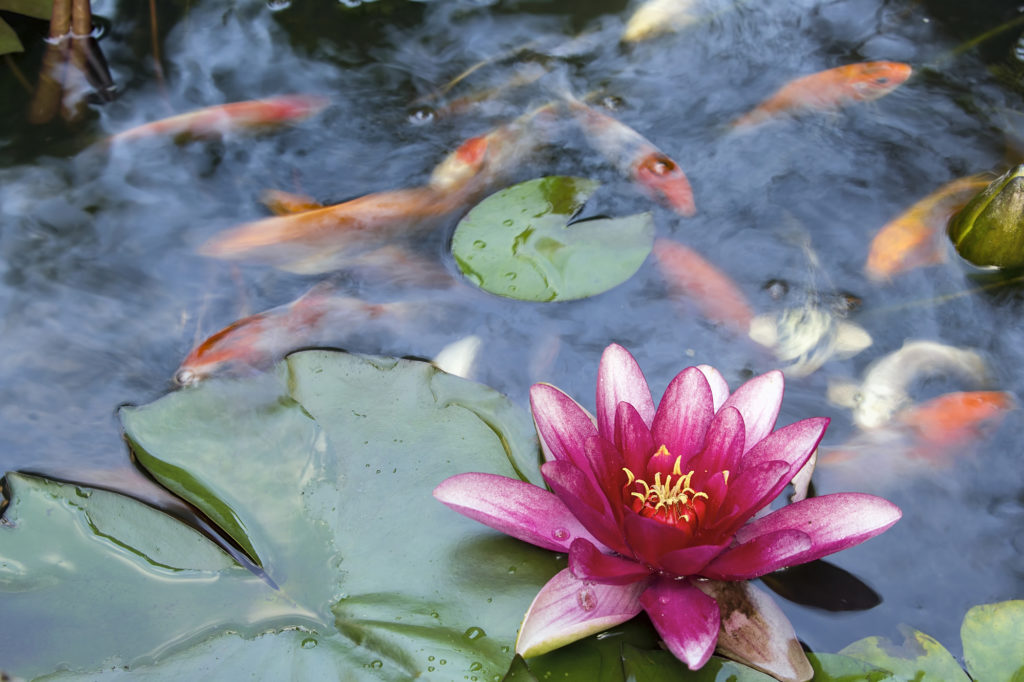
[
  {"x": 258, "y": 341},
  {"x": 914, "y": 238},
  {"x": 954, "y": 419},
  {"x": 326, "y": 238},
  {"x": 690, "y": 276},
  {"x": 829, "y": 90},
  {"x": 224, "y": 118},
  {"x": 285, "y": 203},
  {"x": 636, "y": 156}
]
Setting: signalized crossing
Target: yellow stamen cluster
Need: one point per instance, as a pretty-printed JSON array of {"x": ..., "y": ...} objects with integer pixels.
[{"x": 673, "y": 495}]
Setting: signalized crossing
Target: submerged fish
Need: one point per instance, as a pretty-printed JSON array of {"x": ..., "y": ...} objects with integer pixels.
[
  {"x": 224, "y": 118},
  {"x": 915, "y": 238},
  {"x": 656, "y": 17},
  {"x": 887, "y": 381},
  {"x": 637, "y": 157},
  {"x": 829, "y": 90},
  {"x": 690, "y": 276},
  {"x": 953, "y": 419},
  {"x": 327, "y": 238},
  {"x": 285, "y": 203},
  {"x": 258, "y": 341},
  {"x": 807, "y": 337}
]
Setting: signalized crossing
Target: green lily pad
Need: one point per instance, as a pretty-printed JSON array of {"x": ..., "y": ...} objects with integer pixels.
[
  {"x": 920, "y": 657},
  {"x": 323, "y": 473},
  {"x": 40, "y": 9},
  {"x": 993, "y": 637},
  {"x": 519, "y": 242},
  {"x": 836, "y": 668},
  {"x": 9, "y": 39}
]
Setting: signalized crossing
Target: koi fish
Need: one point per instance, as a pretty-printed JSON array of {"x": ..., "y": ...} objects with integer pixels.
[
  {"x": 887, "y": 381},
  {"x": 258, "y": 341},
  {"x": 459, "y": 357},
  {"x": 829, "y": 90},
  {"x": 690, "y": 276},
  {"x": 808, "y": 337},
  {"x": 657, "y": 17},
  {"x": 326, "y": 238},
  {"x": 636, "y": 156},
  {"x": 927, "y": 435},
  {"x": 914, "y": 238},
  {"x": 224, "y": 118}
]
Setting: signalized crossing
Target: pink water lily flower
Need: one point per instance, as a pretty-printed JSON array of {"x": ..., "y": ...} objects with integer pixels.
[{"x": 656, "y": 506}]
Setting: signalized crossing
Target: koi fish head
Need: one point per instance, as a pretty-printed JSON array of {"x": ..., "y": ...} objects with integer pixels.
[
  {"x": 663, "y": 178},
  {"x": 461, "y": 166},
  {"x": 871, "y": 80}
]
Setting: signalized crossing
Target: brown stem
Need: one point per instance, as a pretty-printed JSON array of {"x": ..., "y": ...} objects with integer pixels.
[{"x": 46, "y": 99}]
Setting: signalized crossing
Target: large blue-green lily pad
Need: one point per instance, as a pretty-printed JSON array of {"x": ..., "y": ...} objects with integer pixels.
[
  {"x": 993, "y": 637},
  {"x": 919, "y": 657},
  {"x": 322, "y": 473},
  {"x": 519, "y": 242}
]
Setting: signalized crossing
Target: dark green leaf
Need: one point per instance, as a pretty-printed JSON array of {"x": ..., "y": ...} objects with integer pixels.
[
  {"x": 518, "y": 243},
  {"x": 9, "y": 39},
  {"x": 40, "y": 9}
]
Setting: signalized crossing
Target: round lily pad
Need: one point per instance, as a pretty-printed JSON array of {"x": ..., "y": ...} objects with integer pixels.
[{"x": 520, "y": 242}]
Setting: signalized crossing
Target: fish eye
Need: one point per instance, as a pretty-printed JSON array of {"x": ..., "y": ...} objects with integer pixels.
[
  {"x": 882, "y": 80},
  {"x": 184, "y": 377},
  {"x": 660, "y": 165}
]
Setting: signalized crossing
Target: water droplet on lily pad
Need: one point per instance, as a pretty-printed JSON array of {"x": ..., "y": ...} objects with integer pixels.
[
  {"x": 309, "y": 643},
  {"x": 474, "y": 633}
]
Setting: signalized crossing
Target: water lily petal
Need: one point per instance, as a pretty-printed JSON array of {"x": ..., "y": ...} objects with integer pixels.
[
  {"x": 587, "y": 562},
  {"x": 833, "y": 522},
  {"x": 755, "y": 632},
  {"x": 586, "y": 502},
  {"x": 632, "y": 438},
  {"x": 568, "y": 609},
  {"x": 793, "y": 444},
  {"x": 760, "y": 556},
  {"x": 723, "y": 444},
  {"x": 684, "y": 414},
  {"x": 619, "y": 380},
  {"x": 562, "y": 424},
  {"x": 719, "y": 386},
  {"x": 606, "y": 463},
  {"x": 686, "y": 618},
  {"x": 650, "y": 539},
  {"x": 690, "y": 560},
  {"x": 750, "y": 491},
  {"x": 759, "y": 401},
  {"x": 514, "y": 507}
]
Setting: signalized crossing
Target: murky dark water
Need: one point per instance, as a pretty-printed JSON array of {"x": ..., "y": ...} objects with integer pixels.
[{"x": 103, "y": 293}]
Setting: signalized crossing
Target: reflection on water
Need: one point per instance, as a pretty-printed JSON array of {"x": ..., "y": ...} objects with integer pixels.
[{"x": 104, "y": 294}]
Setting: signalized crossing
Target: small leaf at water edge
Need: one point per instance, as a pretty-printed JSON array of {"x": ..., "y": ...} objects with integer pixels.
[
  {"x": 40, "y": 9},
  {"x": 993, "y": 637},
  {"x": 836, "y": 668},
  {"x": 9, "y": 39},
  {"x": 324, "y": 472},
  {"x": 518, "y": 242},
  {"x": 920, "y": 657},
  {"x": 989, "y": 230}
]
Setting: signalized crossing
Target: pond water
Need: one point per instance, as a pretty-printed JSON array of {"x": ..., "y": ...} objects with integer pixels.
[{"x": 104, "y": 293}]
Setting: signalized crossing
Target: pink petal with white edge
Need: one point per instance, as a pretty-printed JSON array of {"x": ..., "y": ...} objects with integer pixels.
[
  {"x": 833, "y": 522},
  {"x": 719, "y": 386},
  {"x": 632, "y": 438},
  {"x": 759, "y": 401},
  {"x": 684, "y": 414},
  {"x": 568, "y": 609},
  {"x": 587, "y": 562},
  {"x": 514, "y": 507},
  {"x": 619, "y": 380},
  {"x": 755, "y": 632},
  {"x": 563, "y": 426},
  {"x": 760, "y": 556},
  {"x": 723, "y": 444},
  {"x": 793, "y": 444},
  {"x": 686, "y": 618}
]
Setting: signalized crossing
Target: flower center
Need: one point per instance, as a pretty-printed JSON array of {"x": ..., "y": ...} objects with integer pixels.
[{"x": 667, "y": 497}]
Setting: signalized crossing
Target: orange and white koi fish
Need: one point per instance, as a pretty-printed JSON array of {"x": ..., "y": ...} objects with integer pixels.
[
  {"x": 690, "y": 276},
  {"x": 636, "y": 156},
  {"x": 915, "y": 238},
  {"x": 924, "y": 436},
  {"x": 829, "y": 90},
  {"x": 327, "y": 238},
  {"x": 224, "y": 118},
  {"x": 258, "y": 341}
]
